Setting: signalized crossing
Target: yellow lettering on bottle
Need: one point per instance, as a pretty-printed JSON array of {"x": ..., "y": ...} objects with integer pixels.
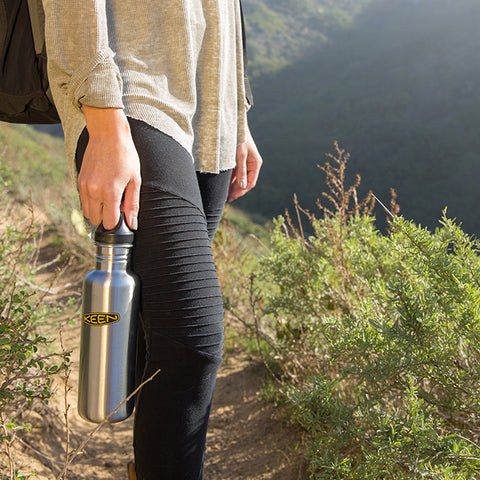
[{"x": 98, "y": 319}]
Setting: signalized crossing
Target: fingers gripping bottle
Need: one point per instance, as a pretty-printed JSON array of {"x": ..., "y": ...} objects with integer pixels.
[{"x": 109, "y": 328}]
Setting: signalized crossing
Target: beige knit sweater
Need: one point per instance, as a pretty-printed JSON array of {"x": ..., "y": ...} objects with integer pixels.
[{"x": 174, "y": 64}]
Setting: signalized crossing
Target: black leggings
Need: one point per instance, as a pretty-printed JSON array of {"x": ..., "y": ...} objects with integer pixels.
[{"x": 181, "y": 328}]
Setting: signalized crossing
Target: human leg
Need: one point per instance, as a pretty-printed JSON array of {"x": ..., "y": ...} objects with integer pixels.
[
  {"x": 182, "y": 313},
  {"x": 214, "y": 191}
]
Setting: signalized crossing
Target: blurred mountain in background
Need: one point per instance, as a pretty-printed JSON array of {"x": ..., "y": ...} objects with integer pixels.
[{"x": 395, "y": 82}]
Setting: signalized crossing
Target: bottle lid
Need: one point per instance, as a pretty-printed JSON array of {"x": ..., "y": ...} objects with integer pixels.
[{"x": 119, "y": 235}]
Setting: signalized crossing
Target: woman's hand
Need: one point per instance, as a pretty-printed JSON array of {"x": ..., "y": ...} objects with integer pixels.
[
  {"x": 110, "y": 170},
  {"x": 245, "y": 174}
]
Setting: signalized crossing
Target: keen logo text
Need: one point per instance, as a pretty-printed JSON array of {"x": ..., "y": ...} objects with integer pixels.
[{"x": 99, "y": 319}]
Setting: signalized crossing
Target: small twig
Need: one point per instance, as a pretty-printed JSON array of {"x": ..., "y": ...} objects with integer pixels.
[
  {"x": 37, "y": 247},
  {"x": 297, "y": 210},
  {"x": 8, "y": 446},
  {"x": 262, "y": 244},
  {"x": 253, "y": 328},
  {"x": 48, "y": 290},
  {"x": 66, "y": 389},
  {"x": 47, "y": 264},
  {"x": 48, "y": 461},
  {"x": 383, "y": 206},
  {"x": 467, "y": 440},
  {"x": 257, "y": 332},
  {"x": 465, "y": 457},
  {"x": 54, "y": 419},
  {"x": 73, "y": 455},
  {"x": 23, "y": 242},
  {"x": 37, "y": 288}
]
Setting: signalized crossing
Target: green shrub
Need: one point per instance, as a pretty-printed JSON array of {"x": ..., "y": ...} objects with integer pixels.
[
  {"x": 376, "y": 338},
  {"x": 27, "y": 366}
]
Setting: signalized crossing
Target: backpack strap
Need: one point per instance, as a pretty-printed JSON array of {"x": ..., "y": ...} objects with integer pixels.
[{"x": 37, "y": 20}]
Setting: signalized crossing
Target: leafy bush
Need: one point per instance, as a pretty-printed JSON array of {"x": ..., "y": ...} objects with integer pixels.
[
  {"x": 375, "y": 339},
  {"x": 27, "y": 367}
]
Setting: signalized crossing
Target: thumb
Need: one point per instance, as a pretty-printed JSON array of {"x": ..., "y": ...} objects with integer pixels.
[
  {"x": 131, "y": 203},
  {"x": 241, "y": 168}
]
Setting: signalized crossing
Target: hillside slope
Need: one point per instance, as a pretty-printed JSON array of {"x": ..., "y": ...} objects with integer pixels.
[
  {"x": 400, "y": 90},
  {"x": 282, "y": 31}
]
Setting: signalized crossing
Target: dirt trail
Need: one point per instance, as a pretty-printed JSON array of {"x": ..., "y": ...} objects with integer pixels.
[{"x": 246, "y": 439}]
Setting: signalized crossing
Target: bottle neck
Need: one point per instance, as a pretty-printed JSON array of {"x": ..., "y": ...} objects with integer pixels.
[{"x": 112, "y": 257}]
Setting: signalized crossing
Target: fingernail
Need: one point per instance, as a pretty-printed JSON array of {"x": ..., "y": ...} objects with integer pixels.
[
  {"x": 243, "y": 184},
  {"x": 134, "y": 223}
]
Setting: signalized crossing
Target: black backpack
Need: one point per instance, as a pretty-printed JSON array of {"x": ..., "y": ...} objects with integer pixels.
[{"x": 25, "y": 95}]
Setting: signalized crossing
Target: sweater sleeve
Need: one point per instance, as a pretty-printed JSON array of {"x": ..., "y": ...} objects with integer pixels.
[
  {"x": 80, "y": 62},
  {"x": 246, "y": 80}
]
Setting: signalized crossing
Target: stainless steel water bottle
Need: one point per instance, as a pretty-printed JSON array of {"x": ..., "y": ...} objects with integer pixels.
[{"x": 109, "y": 328}]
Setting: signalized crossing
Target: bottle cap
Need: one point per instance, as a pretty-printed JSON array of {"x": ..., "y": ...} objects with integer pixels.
[{"x": 120, "y": 234}]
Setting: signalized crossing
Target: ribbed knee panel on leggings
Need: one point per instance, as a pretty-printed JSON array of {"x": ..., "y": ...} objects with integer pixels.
[{"x": 181, "y": 297}]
